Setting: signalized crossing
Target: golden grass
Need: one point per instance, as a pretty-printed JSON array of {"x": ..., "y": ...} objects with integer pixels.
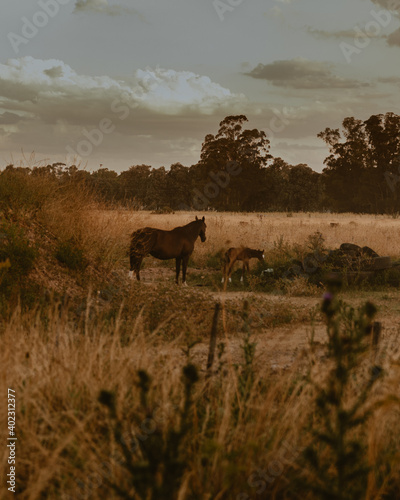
[
  {"x": 380, "y": 232},
  {"x": 58, "y": 361},
  {"x": 65, "y": 446}
]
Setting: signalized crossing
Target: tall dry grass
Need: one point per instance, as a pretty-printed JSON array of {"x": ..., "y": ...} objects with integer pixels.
[
  {"x": 263, "y": 231},
  {"x": 246, "y": 431}
]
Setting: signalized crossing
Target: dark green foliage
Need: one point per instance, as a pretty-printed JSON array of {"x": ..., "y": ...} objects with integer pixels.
[
  {"x": 155, "y": 463},
  {"x": 71, "y": 255},
  {"x": 21, "y": 193},
  {"x": 337, "y": 455},
  {"x": 362, "y": 172},
  {"x": 18, "y": 258}
]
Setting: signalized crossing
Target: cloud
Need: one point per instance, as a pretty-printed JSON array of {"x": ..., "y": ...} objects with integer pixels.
[
  {"x": 391, "y": 80},
  {"x": 391, "y": 5},
  {"x": 48, "y": 107},
  {"x": 103, "y": 7},
  {"x": 341, "y": 34},
  {"x": 302, "y": 73},
  {"x": 393, "y": 9},
  {"x": 164, "y": 89},
  {"x": 8, "y": 118},
  {"x": 52, "y": 87}
]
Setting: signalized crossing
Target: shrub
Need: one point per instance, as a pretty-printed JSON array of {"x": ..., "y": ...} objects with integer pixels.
[
  {"x": 337, "y": 455},
  {"x": 71, "y": 255},
  {"x": 299, "y": 286},
  {"x": 17, "y": 257},
  {"x": 155, "y": 466},
  {"x": 16, "y": 248},
  {"x": 21, "y": 193}
]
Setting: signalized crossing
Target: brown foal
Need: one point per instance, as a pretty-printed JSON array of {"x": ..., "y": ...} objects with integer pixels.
[{"x": 243, "y": 254}]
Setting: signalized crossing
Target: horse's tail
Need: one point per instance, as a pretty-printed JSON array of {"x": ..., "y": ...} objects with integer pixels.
[{"x": 142, "y": 242}]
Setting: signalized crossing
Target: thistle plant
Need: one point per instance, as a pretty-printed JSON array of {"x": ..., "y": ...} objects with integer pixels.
[
  {"x": 156, "y": 462},
  {"x": 336, "y": 456}
]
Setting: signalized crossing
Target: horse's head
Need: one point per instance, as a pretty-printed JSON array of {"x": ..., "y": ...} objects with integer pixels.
[
  {"x": 260, "y": 255},
  {"x": 202, "y": 228}
]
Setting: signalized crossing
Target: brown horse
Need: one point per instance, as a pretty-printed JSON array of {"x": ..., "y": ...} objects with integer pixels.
[
  {"x": 175, "y": 244},
  {"x": 243, "y": 254}
]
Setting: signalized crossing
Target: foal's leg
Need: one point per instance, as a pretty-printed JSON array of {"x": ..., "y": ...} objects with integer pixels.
[
  {"x": 230, "y": 269},
  {"x": 243, "y": 268},
  {"x": 178, "y": 268},
  {"x": 225, "y": 271},
  {"x": 185, "y": 261}
]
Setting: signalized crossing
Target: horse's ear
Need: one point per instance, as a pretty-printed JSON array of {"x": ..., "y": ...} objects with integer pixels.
[
  {"x": 203, "y": 218},
  {"x": 196, "y": 218}
]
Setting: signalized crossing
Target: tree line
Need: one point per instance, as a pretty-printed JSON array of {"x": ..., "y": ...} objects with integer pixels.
[{"x": 236, "y": 172}]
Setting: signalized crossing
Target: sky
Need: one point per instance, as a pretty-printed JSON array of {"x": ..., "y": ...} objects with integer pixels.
[{"x": 116, "y": 83}]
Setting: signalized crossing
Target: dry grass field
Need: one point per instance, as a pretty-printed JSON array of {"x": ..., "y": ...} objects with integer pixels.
[
  {"x": 380, "y": 232},
  {"x": 109, "y": 404}
]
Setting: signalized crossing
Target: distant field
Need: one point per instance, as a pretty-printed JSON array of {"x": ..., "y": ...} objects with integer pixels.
[{"x": 262, "y": 230}]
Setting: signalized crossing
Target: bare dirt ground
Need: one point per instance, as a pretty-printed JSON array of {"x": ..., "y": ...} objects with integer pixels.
[{"x": 280, "y": 347}]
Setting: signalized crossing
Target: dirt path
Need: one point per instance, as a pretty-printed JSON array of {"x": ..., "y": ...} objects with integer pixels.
[{"x": 277, "y": 348}]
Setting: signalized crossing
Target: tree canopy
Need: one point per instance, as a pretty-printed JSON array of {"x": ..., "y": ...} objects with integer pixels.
[
  {"x": 362, "y": 171},
  {"x": 236, "y": 172}
]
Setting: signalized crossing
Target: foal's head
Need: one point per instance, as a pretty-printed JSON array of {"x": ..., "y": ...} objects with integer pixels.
[
  {"x": 260, "y": 255},
  {"x": 202, "y": 229}
]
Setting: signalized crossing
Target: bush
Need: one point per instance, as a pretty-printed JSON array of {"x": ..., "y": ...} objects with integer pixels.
[
  {"x": 21, "y": 193},
  {"x": 337, "y": 456},
  {"x": 71, "y": 255},
  {"x": 17, "y": 256}
]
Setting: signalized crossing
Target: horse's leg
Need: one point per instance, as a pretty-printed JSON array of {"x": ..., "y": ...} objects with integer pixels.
[
  {"x": 132, "y": 264},
  {"x": 185, "y": 261},
  {"x": 135, "y": 263},
  {"x": 230, "y": 269},
  {"x": 178, "y": 268},
  {"x": 137, "y": 267},
  {"x": 243, "y": 269}
]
